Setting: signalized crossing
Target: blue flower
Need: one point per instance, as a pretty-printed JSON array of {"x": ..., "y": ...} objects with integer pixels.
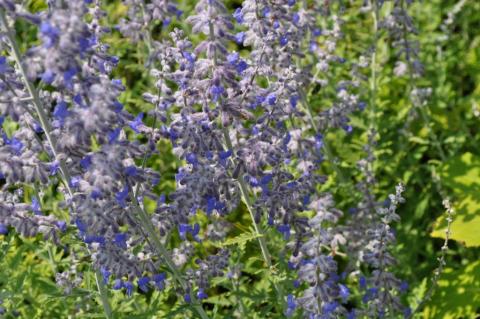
[
  {"x": 61, "y": 225},
  {"x": 195, "y": 231},
  {"x": 240, "y": 37},
  {"x": 404, "y": 287},
  {"x": 118, "y": 83},
  {"x": 407, "y": 312},
  {"x": 105, "y": 274},
  {"x": 37, "y": 127},
  {"x": 294, "y": 100},
  {"x": 14, "y": 143},
  {"x": 121, "y": 196},
  {"x": 161, "y": 199},
  {"x": 267, "y": 178},
  {"x": 369, "y": 295},
  {"x": 272, "y": 99},
  {"x": 129, "y": 287},
  {"x": 84, "y": 44},
  {"x": 3, "y": 229},
  {"x": 50, "y": 34},
  {"x": 82, "y": 227},
  {"x": 191, "y": 159},
  {"x": 285, "y": 230},
  {"x": 74, "y": 181},
  {"x": 89, "y": 239},
  {"x": 190, "y": 57},
  {"x": 329, "y": 307},
  {"x": 201, "y": 294},
  {"x": 60, "y": 112},
  {"x": 238, "y": 15},
  {"x": 361, "y": 105},
  {"x": 78, "y": 100},
  {"x": 96, "y": 193},
  {"x": 318, "y": 141},
  {"x": 348, "y": 129},
  {"x": 233, "y": 57},
  {"x": 117, "y": 107},
  {"x": 36, "y": 208},
  {"x": 187, "y": 298},
  {"x": 351, "y": 315},
  {"x": 117, "y": 284},
  {"x": 266, "y": 12},
  {"x": 225, "y": 154},
  {"x": 69, "y": 75},
  {"x": 216, "y": 91},
  {"x": 120, "y": 240},
  {"x": 296, "y": 18},
  {"x": 136, "y": 123},
  {"x": 283, "y": 40},
  {"x": 113, "y": 135},
  {"x": 252, "y": 181},
  {"x": 131, "y": 171},
  {"x": 211, "y": 204},
  {"x": 54, "y": 168},
  {"x": 143, "y": 284},
  {"x": 183, "y": 230},
  {"x": 48, "y": 77},
  {"x": 159, "y": 280},
  {"x": 291, "y": 305},
  {"x": 241, "y": 66},
  {"x": 86, "y": 161},
  {"x": 344, "y": 292},
  {"x": 3, "y": 64}
]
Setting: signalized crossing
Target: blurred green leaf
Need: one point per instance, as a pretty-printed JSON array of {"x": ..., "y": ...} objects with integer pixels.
[
  {"x": 462, "y": 175},
  {"x": 457, "y": 294}
]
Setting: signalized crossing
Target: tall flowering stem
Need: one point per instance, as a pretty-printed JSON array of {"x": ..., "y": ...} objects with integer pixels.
[
  {"x": 441, "y": 260},
  {"x": 373, "y": 66},
  {"x": 35, "y": 99}
]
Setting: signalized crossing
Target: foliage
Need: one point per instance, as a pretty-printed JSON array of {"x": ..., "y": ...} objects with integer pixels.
[{"x": 427, "y": 143}]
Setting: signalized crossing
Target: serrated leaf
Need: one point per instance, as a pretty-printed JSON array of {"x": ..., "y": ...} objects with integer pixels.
[{"x": 240, "y": 240}]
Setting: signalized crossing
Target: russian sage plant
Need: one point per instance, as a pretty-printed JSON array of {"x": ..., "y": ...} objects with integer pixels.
[{"x": 232, "y": 92}]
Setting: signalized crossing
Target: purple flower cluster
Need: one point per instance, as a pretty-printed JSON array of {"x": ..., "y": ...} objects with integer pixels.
[{"x": 235, "y": 107}]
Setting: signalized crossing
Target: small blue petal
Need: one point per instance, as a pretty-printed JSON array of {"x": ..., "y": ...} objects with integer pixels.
[
  {"x": 117, "y": 284},
  {"x": 201, "y": 294}
]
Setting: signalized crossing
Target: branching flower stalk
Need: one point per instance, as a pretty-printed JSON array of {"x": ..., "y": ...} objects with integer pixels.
[
  {"x": 66, "y": 178},
  {"x": 326, "y": 146},
  {"x": 162, "y": 251},
  {"x": 373, "y": 66},
  {"x": 441, "y": 260},
  {"x": 46, "y": 128}
]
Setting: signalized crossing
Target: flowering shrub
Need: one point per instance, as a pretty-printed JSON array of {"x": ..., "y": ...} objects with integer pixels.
[{"x": 223, "y": 160}]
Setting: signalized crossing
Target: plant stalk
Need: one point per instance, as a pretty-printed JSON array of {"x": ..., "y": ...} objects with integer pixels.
[{"x": 35, "y": 99}]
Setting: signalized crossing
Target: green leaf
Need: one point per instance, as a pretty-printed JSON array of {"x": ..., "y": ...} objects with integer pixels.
[
  {"x": 462, "y": 175},
  {"x": 457, "y": 294},
  {"x": 466, "y": 222},
  {"x": 418, "y": 140},
  {"x": 240, "y": 240}
]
